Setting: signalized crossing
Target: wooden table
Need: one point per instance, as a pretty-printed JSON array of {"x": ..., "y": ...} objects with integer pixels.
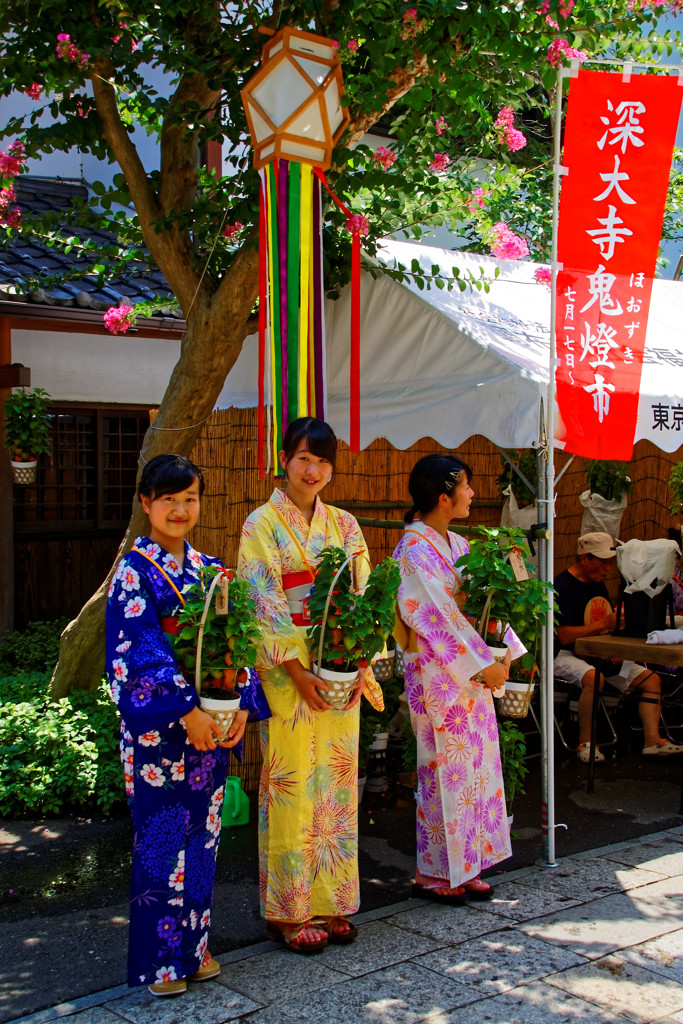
[{"x": 625, "y": 648}]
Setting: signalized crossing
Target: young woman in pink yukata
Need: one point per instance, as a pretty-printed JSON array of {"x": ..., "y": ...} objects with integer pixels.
[{"x": 450, "y": 674}]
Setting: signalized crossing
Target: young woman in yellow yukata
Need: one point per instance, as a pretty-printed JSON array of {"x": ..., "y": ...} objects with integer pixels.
[{"x": 308, "y": 807}]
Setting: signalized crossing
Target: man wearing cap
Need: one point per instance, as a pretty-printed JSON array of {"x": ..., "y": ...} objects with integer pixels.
[{"x": 585, "y": 610}]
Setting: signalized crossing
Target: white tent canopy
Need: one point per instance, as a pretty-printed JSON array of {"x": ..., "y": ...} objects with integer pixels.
[{"x": 449, "y": 364}]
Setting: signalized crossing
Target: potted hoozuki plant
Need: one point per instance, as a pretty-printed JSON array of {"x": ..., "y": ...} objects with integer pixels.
[
  {"x": 348, "y": 629},
  {"x": 216, "y": 641}
]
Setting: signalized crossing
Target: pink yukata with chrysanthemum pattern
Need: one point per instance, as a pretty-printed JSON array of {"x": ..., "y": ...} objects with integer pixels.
[{"x": 461, "y": 817}]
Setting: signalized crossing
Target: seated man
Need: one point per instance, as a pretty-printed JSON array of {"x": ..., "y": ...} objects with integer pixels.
[{"x": 585, "y": 610}]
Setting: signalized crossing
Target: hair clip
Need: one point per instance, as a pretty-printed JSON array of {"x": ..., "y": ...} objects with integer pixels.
[{"x": 453, "y": 482}]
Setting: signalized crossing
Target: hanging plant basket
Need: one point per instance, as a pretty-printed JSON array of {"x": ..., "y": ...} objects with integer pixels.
[
  {"x": 516, "y": 700},
  {"x": 25, "y": 473}
]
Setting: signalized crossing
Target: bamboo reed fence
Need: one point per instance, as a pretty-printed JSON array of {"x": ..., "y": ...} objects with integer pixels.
[{"x": 374, "y": 483}]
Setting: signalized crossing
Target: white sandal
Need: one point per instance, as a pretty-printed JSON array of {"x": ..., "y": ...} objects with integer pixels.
[{"x": 584, "y": 753}]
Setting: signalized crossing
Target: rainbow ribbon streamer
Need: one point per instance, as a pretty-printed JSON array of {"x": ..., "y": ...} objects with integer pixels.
[{"x": 291, "y": 319}]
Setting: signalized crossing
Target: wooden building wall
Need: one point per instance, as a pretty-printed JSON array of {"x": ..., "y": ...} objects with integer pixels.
[{"x": 227, "y": 451}]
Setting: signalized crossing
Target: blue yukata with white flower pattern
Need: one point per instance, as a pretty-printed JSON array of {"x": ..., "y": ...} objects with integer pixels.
[{"x": 174, "y": 791}]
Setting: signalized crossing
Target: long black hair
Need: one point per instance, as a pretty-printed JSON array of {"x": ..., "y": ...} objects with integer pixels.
[
  {"x": 319, "y": 436},
  {"x": 168, "y": 474},
  {"x": 432, "y": 476}
]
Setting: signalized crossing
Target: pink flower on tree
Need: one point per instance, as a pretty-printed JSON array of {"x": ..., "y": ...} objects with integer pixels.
[
  {"x": 352, "y": 45},
  {"x": 65, "y": 48},
  {"x": 34, "y": 91},
  {"x": 508, "y": 135},
  {"x": 383, "y": 157},
  {"x": 505, "y": 244},
  {"x": 549, "y": 20},
  {"x": 476, "y": 200},
  {"x": 544, "y": 8},
  {"x": 543, "y": 275},
  {"x": 560, "y": 50},
  {"x": 11, "y": 161},
  {"x": 411, "y": 23},
  {"x": 10, "y": 214},
  {"x": 118, "y": 319},
  {"x": 357, "y": 224},
  {"x": 566, "y": 8},
  {"x": 441, "y": 125},
  {"x": 231, "y": 230},
  {"x": 440, "y": 162}
]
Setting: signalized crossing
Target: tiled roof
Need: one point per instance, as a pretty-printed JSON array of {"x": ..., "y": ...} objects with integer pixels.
[{"x": 25, "y": 263}]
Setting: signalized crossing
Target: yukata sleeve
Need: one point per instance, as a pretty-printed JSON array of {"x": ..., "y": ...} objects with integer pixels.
[
  {"x": 428, "y": 607},
  {"x": 253, "y": 699},
  {"x": 260, "y": 564},
  {"x": 146, "y": 683}
]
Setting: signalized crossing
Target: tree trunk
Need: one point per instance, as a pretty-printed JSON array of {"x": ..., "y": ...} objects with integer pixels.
[{"x": 210, "y": 346}]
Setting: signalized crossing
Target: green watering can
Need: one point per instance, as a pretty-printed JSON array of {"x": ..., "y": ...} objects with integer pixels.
[{"x": 235, "y": 803}]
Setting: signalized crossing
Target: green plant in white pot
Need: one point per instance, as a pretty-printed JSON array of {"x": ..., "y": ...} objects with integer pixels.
[
  {"x": 348, "y": 628},
  {"x": 676, "y": 487},
  {"x": 27, "y": 431},
  {"x": 498, "y": 601}
]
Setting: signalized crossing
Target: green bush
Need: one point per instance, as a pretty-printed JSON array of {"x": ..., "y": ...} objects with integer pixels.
[
  {"x": 33, "y": 649},
  {"x": 56, "y": 755}
]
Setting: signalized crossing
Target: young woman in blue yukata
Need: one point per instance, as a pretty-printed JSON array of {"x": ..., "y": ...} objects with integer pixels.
[{"x": 174, "y": 768}]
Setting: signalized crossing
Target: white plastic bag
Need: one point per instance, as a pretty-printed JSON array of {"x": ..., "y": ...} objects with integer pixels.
[
  {"x": 642, "y": 561},
  {"x": 520, "y": 518},
  {"x": 601, "y": 515}
]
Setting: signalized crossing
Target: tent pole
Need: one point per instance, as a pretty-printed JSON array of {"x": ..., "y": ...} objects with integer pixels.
[{"x": 547, "y": 456}]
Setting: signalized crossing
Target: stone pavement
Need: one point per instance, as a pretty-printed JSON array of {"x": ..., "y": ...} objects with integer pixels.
[{"x": 597, "y": 939}]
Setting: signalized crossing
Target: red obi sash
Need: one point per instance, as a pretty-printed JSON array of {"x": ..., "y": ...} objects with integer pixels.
[
  {"x": 170, "y": 625},
  {"x": 297, "y": 588}
]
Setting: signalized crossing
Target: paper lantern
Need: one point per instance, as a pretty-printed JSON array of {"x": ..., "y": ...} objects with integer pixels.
[
  {"x": 294, "y": 109},
  {"x": 293, "y": 102}
]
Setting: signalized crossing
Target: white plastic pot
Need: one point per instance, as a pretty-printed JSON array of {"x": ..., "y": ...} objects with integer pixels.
[
  {"x": 222, "y": 711},
  {"x": 340, "y": 686},
  {"x": 25, "y": 472}
]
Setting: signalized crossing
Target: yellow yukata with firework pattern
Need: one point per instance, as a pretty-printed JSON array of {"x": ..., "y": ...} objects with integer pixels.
[{"x": 308, "y": 802}]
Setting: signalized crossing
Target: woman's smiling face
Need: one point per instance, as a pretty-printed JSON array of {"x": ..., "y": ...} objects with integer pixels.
[{"x": 307, "y": 473}]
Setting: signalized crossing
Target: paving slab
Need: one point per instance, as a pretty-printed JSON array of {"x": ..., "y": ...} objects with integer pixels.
[
  {"x": 662, "y": 855},
  {"x": 398, "y": 995},
  {"x": 446, "y": 924},
  {"x": 663, "y": 955},
  {"x": 536, "y": 1003},
  {"x": 637, "y": 994},
  {"x": 585, "y": 879},
  {"x": 206, "y": 1003},
  {"x": 517, "y": 902},
  {"x": 278, "y": 975},
  {"x": 500, "y": 961},
  {"x": 379, "y": 944},
  {"x": 604, "y": 926},
  {"x": 95, "y": 1015}
]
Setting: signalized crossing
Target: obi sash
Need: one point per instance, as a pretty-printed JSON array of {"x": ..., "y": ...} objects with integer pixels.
[
  {"x": 297, "y": 588},
  {"x": 170, "y": 625}
]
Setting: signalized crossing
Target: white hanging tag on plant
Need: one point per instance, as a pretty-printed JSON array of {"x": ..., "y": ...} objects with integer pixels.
[
  {"x": 518, "y": 565},
  {"x": 222, "y": 596}
]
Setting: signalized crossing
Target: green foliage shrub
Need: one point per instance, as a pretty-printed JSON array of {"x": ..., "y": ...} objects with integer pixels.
[
  {"x": 33, "y": 649},
  {"x": 57, "y": 755}
]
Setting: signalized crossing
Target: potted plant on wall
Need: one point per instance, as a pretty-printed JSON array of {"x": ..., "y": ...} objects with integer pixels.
[
  {"x": 216, "y": 642},
  {"x": 348, "y": 629},
  {"x": 497, "y": 600},
  {"x": 605, "y": 500},
  {"x": 27, "y": 431}
]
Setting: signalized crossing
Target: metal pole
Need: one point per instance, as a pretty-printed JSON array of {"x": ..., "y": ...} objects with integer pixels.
[{"x": 547, "y": 707}]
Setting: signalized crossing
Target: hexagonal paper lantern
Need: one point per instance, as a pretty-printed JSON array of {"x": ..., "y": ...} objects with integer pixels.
[{"x": 293, "y": 102}]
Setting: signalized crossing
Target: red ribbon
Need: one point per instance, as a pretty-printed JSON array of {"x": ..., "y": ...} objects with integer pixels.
[
  {"x": 263, "y": 288},
  {"x": 354, "y": 356}
]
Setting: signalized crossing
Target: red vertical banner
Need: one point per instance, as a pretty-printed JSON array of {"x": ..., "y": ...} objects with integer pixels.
[{"x": 618, "y": 145}]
